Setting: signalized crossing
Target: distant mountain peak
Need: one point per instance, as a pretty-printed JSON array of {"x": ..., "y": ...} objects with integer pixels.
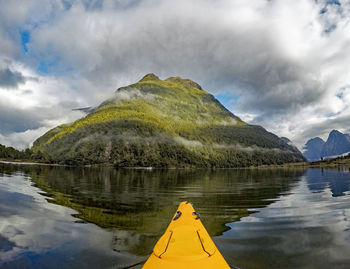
[
  {"x": 316, "y": 139},
  {"x": 150, "y": 77},
  {"x": 313, "y": 148},
  {"x": 336, "y": 144},
  {"x": 335, "y": 133}
]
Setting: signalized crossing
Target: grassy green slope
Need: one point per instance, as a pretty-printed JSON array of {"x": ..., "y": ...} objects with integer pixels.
[{"x": 164, "y": 123}]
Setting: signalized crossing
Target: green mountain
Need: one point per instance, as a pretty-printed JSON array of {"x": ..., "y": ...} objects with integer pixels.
[{"x": 163, "y": 123}]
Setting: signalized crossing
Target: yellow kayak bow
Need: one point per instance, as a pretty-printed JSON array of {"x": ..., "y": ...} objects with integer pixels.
[{"x": 185, "y": 244}]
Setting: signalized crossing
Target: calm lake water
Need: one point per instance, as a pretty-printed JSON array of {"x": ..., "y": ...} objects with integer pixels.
[{"x": 59, "y": 217}]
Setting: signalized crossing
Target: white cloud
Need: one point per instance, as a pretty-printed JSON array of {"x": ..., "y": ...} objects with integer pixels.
[
  {"x": 22, "y": 140},
  {"x": 34, "y": 106}
]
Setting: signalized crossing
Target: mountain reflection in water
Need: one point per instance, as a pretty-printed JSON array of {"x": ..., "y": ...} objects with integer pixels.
[
  {"x": 338, "y": 181},
  {"x": 269, "y": 218}
]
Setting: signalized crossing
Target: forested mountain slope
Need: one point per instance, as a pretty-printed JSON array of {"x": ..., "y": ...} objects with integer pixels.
[{"x": 164, "y": 123}]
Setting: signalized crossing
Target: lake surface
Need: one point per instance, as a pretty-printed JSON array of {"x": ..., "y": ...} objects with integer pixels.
[{"x": 60, "y": 217}]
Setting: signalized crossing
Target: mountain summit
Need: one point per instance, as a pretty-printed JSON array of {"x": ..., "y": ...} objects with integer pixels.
[
  {"x": 336, "y": 144},
  {"x": 164, "y": 123},
  {"x": 313, "y": 149}
]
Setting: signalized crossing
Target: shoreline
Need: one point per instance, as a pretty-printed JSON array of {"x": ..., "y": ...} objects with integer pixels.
[
  {"x": 345, "y": 163},
  {"x": 27, "y": 162}
]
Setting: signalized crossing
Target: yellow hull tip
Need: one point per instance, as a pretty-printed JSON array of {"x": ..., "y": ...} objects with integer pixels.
[{"x": 185, "y": 244}]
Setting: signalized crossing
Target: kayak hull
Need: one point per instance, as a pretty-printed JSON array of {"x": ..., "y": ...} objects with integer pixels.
[{"x": 185, "y": 244}]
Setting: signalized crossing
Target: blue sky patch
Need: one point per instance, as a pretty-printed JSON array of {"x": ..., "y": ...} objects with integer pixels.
[
  {"x": 227, "y": 99},
  {"x": 53, "y": 67},
  {"x": 43, "y": 67},
  {"x": 333, "y": 2},
  {"x": 25, "y": 38}
]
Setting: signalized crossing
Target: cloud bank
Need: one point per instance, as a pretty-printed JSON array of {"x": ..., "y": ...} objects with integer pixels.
[{"x": 285, "y": 63}]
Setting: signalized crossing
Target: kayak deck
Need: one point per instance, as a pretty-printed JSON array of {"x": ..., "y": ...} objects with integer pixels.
[{"x": 185, "y": 244}]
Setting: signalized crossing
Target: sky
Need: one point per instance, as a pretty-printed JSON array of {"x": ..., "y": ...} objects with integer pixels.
[{"x": 281, "y": 64}]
